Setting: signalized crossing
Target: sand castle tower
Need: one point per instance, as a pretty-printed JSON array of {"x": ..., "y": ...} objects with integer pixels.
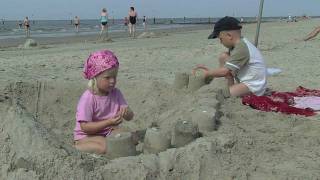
[
  {"x": 196, "y": 82},
  {"x": 181, "y": 80},
  {"x": 155, "y": 141},
  {"x": 184, "y": 132},
  {"x": 120, "y": 145},
  {"x": 204, "y": 119}
]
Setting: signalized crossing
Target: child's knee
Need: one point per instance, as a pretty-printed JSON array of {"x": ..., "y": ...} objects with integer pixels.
[
  {"x": 101, "y": 149},
  {"x": 239, "y": 90}
]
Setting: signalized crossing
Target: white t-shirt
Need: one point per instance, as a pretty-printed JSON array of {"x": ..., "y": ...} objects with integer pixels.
[{"x": 248, "y": 67}]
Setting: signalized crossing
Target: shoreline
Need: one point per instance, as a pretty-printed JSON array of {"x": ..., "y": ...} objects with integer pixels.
[
  {"x": 15, "y": 42},
  {"x": 90, "y": 37}
]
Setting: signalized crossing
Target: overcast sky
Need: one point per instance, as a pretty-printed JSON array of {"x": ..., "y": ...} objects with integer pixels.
[{"x": 90, "y": 9}]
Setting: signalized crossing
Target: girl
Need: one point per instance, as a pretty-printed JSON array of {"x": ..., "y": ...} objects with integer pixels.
[
  {"x": 104, "y": 24},
  {"x": 102, "y": 106}
]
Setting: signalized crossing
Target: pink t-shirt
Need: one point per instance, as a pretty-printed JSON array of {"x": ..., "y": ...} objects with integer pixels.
[{"x": 93, "y": 108}]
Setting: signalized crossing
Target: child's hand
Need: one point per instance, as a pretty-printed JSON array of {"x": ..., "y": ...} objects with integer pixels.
[
  {"x": 116, "y": 120},
  {"x": 201, "y": 67},
  {"x": 126, "y": 113},
  {"x": 123, "y": 111}
]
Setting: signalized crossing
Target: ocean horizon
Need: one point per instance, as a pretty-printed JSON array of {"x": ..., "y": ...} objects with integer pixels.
[{"x": 61, "y": 28}]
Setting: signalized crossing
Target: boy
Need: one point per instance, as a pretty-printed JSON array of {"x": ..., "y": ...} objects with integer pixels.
[{"x": 243, "y": 62}]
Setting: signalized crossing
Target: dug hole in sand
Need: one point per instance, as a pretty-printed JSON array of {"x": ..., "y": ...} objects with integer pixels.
[{"x": 36, "y": 136}]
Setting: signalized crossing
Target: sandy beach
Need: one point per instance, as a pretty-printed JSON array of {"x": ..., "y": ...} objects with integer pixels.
[{"x": 40, "y": 88}]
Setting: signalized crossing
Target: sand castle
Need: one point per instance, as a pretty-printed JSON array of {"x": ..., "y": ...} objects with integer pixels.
[
  {"x": 196, "y": 82},
  {"x": 155, "y": 141},
  {"x": 120, "y": 145},
  {"x": 181, "y": 80},
  {"x": 204, "y": 120},
  {"x": 189, "y": 81},
  {"x": 29, "y": 43},
  {"x": 184, "y": 133}
]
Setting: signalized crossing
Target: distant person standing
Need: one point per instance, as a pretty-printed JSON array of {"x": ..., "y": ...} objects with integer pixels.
[
  {"x": 26, "y": 24},
  {"x": 20, "y": 24},
  {"x": 241, "y": 20},
  {"x": 144, "y": 23},
  {"x": 76, "y": 21},
  {"x": 126, "y": 22},
  {"x": 132, "y": 21},
  {"x": 289, "y": 18},
  {"x": 104, "y": 24}
]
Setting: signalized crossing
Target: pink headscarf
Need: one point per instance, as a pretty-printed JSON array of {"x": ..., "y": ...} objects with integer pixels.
[{"x": 98, "y": 62}]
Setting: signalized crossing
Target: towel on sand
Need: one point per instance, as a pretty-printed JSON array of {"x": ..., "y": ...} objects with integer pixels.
[{"x": 284, "y": 102}]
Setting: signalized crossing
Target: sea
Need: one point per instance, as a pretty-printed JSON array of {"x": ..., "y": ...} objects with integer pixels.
[{"x": 60, "y": 28}]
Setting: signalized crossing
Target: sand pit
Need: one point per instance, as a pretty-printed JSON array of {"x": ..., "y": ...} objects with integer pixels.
[{"x": 37, "y": 130}]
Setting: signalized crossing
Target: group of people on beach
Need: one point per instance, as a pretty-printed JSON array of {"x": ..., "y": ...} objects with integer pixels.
[
  {"x": 26, "y": 25},
  {"x": 130, "y": 22}
]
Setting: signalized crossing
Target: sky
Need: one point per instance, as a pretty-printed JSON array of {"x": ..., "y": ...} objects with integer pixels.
[{"x": 90, "y": 9}]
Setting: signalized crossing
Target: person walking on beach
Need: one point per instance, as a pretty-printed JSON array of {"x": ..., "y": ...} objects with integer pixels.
[
  {"x": 144, "y": 23},
  {"x": 101, "y": 107},
  {"x": 104, "y": 24},
  {"x": 26, "y": 24},
  {"x": 132, "y": 21},
  {"x": 243, "y": 62},
  {"x": 76, "y": 21}
]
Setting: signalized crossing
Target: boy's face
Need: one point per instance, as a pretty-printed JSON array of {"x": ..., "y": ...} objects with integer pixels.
[{"x": 226, "y": 39}]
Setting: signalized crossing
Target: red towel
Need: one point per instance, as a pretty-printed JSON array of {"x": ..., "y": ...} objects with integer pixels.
[{"x": 281, "y": 101}]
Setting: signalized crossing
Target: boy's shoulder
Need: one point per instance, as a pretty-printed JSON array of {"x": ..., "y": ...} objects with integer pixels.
[
  {"x": 241, "y": 48},
  {"x": 242, "y": 43}
]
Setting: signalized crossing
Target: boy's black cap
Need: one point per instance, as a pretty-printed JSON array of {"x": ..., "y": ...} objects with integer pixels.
[{"x": 224, "y": 24}]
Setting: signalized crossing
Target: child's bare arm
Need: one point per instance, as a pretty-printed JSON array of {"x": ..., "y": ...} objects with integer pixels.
[
  {"x": 219, "y": 72},
  {"x": 95, "y": 127}
]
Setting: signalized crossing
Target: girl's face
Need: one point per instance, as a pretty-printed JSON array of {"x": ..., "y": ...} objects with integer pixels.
[{"x": 106, "y": 81}]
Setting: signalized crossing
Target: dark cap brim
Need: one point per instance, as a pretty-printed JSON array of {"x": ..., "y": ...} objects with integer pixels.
[{"x": 213, "y": 35}]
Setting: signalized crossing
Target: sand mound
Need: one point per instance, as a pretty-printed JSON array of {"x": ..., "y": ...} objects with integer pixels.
[
  {"x": 30, "y": 43},
  {"x": 36, "y": 136}
]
